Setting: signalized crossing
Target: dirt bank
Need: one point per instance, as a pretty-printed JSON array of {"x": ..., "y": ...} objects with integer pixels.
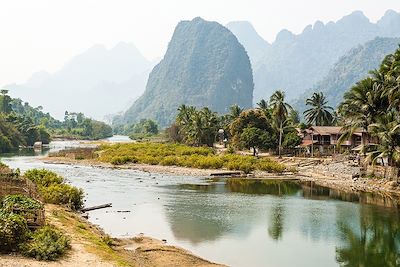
[{"x": 91, "y": 247}]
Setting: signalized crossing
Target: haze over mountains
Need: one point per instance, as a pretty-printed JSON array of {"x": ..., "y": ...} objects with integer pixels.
[
  {"x": 97, "y": 82},
  {"x": 204, "y": 66},
  {"x": 295, "y": 63},
  {"x": 350, "y": 68}
]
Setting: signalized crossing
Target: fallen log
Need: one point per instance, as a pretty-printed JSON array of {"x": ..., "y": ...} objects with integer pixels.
[
  {"x": 236, "y": 173},
  {"x": 96, "y": 207}
]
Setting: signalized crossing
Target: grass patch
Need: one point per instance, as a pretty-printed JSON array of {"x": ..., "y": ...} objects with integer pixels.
[{"x": 184, "y": 156}]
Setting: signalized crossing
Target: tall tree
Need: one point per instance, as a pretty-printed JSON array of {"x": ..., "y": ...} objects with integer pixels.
[{"x": 280, "y": 110}]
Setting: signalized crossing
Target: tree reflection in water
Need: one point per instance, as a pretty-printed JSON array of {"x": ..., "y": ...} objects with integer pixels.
[{"x": 375, "y": 242}]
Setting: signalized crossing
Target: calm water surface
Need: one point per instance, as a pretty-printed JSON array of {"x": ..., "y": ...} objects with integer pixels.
[{"x": 238, "y": 222}]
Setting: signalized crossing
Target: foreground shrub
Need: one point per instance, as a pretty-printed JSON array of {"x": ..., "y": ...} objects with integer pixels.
[
  {"x": 13, "y": 230},
  {"x": 46, "y": 243},
  {"x": 42, "y": 177},
  {"x": 63, "y": 194},
  {"x": 53, "y": 190},
  {"x": 21, "y": 203}
]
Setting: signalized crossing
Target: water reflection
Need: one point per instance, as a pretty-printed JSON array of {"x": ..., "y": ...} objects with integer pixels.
[{"x": 363, "y": 235}]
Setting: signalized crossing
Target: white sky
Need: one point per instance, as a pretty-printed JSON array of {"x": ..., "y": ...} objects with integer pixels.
[{"x": 44, "y": 34}]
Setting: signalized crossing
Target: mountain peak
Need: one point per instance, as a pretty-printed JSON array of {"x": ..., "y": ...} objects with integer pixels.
[
  {"x": 355, "y": 17},
  {"x": 284, "y": 36}
]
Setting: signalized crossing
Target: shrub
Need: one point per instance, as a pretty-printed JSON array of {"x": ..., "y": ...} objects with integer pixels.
[
  {"x": 42, "y": 177},
  {"x": 46, "y": 243},
  {"x": 63, "y": 194},
  {"x": 120, "y": 160},
  {"x": 271, "y": 166},
  {"x": 13, "y": 230},
  {"x": 20, "y": 202},
  {"x": 169, "y": 161}
]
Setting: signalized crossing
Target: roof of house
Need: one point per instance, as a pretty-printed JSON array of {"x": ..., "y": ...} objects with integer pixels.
[{"x": 326, "y": 130}]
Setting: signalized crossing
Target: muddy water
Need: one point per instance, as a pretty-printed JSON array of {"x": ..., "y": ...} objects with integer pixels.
[{"x": 238, "y": 222}]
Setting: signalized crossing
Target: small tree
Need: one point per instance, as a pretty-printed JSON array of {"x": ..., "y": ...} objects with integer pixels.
[{"x": 255, "y": 138}]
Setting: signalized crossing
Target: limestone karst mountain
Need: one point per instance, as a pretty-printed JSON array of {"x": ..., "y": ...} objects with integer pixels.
[{"x": 204, "y": 65}]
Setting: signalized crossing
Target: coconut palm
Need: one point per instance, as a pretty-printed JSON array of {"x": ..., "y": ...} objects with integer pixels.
[
  {"x": 361, "y": 105},
  {"x": 320, "y": 114},
  {"x": 387, "y": 129},
  {"x": 235, "y": 111},
  {"x": 280, "y": 110}
]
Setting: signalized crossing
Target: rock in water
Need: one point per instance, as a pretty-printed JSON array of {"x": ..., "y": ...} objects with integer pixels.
[{"x": 204, "y": 65}]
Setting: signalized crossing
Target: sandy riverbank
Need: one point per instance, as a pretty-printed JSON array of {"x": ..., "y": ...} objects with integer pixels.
[{"x": 88, "y": 249}]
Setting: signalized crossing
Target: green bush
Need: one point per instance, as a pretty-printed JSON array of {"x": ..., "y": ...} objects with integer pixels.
[
  {"x": 46, "y": 243},
  {"x": 13, "y": 230},
  {"x": 52, "y": 188},
  {"x": 271, "y": 166},
  {"x": 63, "y": 194},
  {"x": 21, "y": 202},
  {"x": 120, "y": 160},
  {"x": 169, "y": 161},
  {"x": 42, "y": 177}
]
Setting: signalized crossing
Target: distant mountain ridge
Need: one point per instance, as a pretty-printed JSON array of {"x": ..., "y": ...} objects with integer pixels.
[
  {"x": 295, "y": 63},
  {"x": 254, "y": 44},
  {"x": 350, "y": 68},
  {"x": 204, "y": 65},
  {"x": 97, "y": 82}
]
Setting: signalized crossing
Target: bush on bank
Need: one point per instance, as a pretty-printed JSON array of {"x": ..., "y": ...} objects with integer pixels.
[
  {"x": 47, "y": 243},
  {"x": 184, "y": 156},
  {"x": 53, "y": 189}
]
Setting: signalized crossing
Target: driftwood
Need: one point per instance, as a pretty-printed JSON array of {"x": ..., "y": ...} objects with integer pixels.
[
  {"x": 236, "y": 173},
  {"x": 97, "y": 207}
]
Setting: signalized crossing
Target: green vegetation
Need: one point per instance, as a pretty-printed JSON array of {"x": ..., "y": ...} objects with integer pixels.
[
  {"x": 184, "y": 156},
  {"x": 22, "y": 125},
  {"x": 320, "y": 114},
  {"x": 143, "y": 129},
  {"x": 13, "y": 230},
  {"x": 52, "y": 188},
  {"x": 19, "y": 202},
  {"x": 373, "y": 105},
  {"x": 46, "y": 243}
]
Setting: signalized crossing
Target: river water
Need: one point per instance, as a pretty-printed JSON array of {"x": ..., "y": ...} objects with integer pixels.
[{"x": 238, "y": 222}]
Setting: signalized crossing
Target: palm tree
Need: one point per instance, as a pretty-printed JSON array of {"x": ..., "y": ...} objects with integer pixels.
[
  {"x": 235, "y": 111},
  {"x": 387, "y": 129},
  {"x": 280, "y": 110},
  {"x": 263, "y": 105},
  {"x": 361, "y": 105},
  {"x": 320, "y": 114}
]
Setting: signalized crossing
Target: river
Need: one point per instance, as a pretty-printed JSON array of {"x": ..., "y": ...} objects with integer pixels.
[{"x": 238, "y": 222}]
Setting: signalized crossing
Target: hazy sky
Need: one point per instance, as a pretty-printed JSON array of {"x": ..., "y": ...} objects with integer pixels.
[{"x": 44, "y": 34}]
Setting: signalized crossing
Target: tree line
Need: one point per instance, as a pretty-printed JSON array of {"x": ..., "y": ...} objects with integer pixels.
[{"x": 21, "y": 125}]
